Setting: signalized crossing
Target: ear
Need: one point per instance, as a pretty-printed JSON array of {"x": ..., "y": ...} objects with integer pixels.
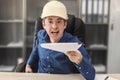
[
  {"x": 43, "y": 23},
  {"x": 65, "y": 26}
]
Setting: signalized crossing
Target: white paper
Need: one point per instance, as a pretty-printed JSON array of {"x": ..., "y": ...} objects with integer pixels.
[
  {"x": 102, "y": 77},
  {"x": 61, "y": 47}
]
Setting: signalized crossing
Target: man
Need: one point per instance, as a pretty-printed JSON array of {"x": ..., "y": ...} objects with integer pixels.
[{"x": 54, "y": 21}]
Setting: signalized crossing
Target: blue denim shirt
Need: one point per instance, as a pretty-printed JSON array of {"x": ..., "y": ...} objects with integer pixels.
[{"x": 50, "y": 61}]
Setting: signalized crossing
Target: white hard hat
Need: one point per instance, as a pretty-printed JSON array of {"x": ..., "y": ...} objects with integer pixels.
[{"x": 54, "y": 8}]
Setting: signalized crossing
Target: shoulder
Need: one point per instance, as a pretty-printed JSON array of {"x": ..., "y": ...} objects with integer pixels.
[
  {"x": 42, "y": 33},
  {"x": 70, "y": 38}
]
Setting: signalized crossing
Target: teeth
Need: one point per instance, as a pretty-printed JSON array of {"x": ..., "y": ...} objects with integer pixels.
[{"x": 54, "y": 33}]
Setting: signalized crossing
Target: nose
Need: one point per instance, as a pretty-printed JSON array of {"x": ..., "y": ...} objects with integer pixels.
[{"x": 54, "y": 26}]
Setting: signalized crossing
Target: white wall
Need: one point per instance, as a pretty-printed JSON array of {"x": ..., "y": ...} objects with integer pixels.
[{"x": 114, "y": 38}]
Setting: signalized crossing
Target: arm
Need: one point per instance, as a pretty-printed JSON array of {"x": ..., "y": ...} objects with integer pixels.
[
  {"x": 32, "y": 61},
  {"x": 81, "y": 60}
]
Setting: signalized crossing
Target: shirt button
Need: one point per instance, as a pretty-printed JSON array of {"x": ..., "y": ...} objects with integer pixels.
[
  {"x": 49, "y": 66},
  {"x": 86, "y": 72},
  {"x": 79, "y": 67},
  {"x": 47, "y": 57}
]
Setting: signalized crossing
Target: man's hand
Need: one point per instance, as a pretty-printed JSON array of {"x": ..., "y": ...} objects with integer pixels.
[
  {"x": 74, "y": 56},
  {"x": 28, "y": 69}
]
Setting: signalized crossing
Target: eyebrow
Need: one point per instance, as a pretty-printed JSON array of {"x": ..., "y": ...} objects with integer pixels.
[{"x": 57, "y": 19}]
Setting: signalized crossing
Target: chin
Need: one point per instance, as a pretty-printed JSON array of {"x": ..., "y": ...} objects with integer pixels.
[{"x": 56, "y": 40}]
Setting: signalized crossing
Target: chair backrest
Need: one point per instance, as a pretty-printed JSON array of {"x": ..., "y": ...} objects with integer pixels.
[{"x": 75, "y": 26}]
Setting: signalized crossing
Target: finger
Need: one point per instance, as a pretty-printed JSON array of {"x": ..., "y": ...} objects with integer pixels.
[
  {"x": 29, "y": 71},
  {"x": 70, "y": 53}
]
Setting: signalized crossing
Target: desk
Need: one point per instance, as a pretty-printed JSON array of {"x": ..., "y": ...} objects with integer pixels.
[
  {"x": 38, "y": 76},
  {"x": 41, "y": 76}
]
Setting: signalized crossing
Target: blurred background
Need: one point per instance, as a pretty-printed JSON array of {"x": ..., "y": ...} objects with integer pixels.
[{"x": 101, "y": 17}]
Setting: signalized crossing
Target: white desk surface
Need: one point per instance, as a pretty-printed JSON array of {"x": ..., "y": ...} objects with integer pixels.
[{"x": 42, "y": 76}]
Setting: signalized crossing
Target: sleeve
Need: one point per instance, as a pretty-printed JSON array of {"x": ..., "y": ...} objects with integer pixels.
[
  {"x": 33, "y": 58},
  {"x": 85, "y": 67}
]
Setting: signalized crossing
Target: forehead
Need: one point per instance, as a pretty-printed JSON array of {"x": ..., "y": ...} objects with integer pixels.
[{"x": 54, "y": 18}]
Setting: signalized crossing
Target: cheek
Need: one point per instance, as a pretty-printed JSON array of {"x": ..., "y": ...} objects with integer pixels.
[{"x": 46, "y": 26}]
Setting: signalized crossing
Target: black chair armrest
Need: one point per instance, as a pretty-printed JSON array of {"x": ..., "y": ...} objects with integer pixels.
[{"x": 20, "y": 67}]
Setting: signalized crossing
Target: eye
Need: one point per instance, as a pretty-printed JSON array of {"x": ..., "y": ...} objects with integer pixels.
[
  {"x": 50, "y": 22},
  {"x": 59, "y": 21}
]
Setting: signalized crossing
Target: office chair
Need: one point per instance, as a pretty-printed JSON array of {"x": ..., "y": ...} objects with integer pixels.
[{"x": 75, "y": 26}]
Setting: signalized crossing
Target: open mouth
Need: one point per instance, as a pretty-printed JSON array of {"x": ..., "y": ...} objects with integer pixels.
[{"x": 55, "y": 33}]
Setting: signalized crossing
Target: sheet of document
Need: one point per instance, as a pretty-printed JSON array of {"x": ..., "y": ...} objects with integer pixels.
[
  {"x": 61, "y": 47},
  {"x": 104, "y": 77}
]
